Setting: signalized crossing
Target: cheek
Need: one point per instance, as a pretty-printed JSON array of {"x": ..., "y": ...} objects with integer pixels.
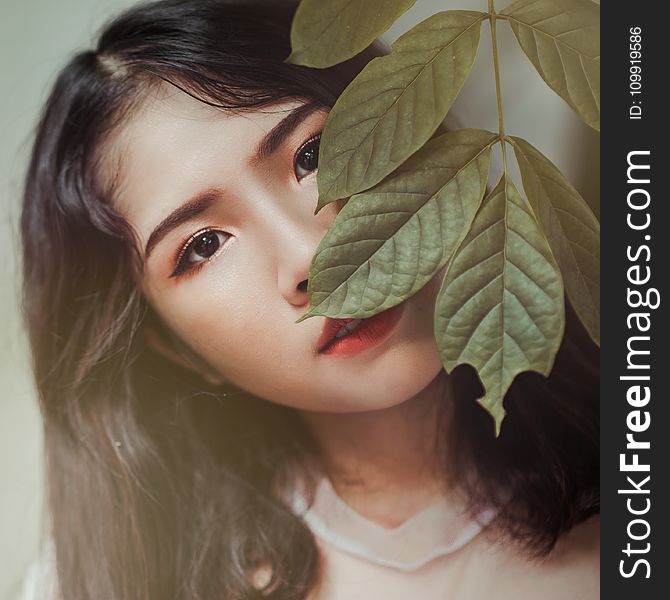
[
  {"x": 236, "y": 324},
  {"x": 248, "y": 335},
  {"x": 214, "y": 310}
]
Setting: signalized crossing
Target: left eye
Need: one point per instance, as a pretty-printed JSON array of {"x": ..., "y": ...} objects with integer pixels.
[
  {"x": 199, "y": 249},
  {"x": 307, "y": 158}
]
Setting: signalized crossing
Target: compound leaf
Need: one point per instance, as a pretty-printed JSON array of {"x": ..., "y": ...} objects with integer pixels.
[
  {"x": 396, "y": 104},
  {"x": 571, "y": 228},
  {"x": 501, "y": 308},
  {"x": 388, "y": 242},
  {"x": 327, "y": 32},
  {"x": 562, "y": 40}
]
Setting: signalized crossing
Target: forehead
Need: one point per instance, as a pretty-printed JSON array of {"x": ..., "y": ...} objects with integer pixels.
[{"x": 172, "y": 145}]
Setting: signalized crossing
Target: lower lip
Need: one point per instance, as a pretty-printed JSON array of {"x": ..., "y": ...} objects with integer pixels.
[{"x": 371, "y": 332}]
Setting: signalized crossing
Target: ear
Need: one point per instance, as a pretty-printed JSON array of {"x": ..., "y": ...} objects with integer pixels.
[{"x": 169, "y": 346}]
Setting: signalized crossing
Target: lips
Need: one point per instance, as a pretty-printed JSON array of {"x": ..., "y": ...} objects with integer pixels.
[{"x": 350, "y": 336}]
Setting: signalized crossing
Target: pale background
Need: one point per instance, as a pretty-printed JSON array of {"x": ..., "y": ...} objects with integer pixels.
[{"x": 36, "y": 37}]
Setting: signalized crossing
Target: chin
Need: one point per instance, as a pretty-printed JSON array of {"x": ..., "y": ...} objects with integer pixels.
[{"x": 402, "y": 374}]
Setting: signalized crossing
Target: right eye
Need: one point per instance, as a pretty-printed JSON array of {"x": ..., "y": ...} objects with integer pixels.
[
  {"x": 306, "y": 159},
  {"x": 199, "y": 249}
]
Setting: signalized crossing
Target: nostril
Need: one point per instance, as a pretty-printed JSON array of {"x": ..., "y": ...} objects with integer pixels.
[{"x": 302, "y": 286}]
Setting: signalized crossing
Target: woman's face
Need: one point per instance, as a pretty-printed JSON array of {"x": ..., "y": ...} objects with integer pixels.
[{"x": 224, "y": 203}]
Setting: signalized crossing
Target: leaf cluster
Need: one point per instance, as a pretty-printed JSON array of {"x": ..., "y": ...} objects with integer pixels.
[{"x": 417, "y": 202}]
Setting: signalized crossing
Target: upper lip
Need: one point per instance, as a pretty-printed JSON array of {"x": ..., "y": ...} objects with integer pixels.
[{"x": 330, "y": 328}]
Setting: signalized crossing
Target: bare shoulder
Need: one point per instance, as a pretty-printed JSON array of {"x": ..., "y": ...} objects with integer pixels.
[
  {"x": 572, "y": 569},
  {"x": 581, "y": 544},
  {"x": 577, "y": 554},
  {"x": 570, "y": 572}
]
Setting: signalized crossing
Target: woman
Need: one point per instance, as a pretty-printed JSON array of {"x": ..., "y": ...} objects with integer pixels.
[{"x": 199, "y": 442}]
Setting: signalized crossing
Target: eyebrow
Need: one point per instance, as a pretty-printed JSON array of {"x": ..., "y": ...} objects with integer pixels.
[
  {"x": 202, "y": 202},
  {"x": 185, "y": 213},
  {"x": 276, "y": 136}
]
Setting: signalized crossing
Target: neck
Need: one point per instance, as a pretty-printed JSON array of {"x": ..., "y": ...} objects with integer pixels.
[{"x": 384, "y": 462}]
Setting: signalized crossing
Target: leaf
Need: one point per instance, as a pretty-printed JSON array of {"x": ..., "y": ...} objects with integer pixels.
[
  {"x": 395, "y": 104},
  {"x": 571, "y": 228},
  {"x": 562, "y": 40},
  {"x": 388, "y": 242},
  {"x": 327, "y": 32},
  {"x": 501, "y": 306}
]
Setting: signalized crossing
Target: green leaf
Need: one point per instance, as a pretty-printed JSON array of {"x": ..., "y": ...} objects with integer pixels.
[
  {"x": 501, "y": 307},
  {"x": 327, "y": 32},
  {"x": 388, "y": 242},
  {"x": 395, "y": 104},
  {"x": 571, "y": 228},
  {"x": 562, "y": 40}
]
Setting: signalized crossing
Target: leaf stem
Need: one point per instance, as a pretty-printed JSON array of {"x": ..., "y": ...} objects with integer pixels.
[{"x": 496, "y": 69}]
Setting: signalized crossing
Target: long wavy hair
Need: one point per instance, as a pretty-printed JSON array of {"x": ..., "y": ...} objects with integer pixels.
[{"x": 161, "y": 485}]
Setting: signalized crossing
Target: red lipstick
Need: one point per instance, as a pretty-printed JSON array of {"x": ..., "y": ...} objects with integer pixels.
[{"x": 350, "y": 336}]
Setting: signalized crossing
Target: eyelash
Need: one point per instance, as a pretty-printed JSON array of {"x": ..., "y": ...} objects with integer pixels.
[
  {"x": 312, "y": 138},
  {"x": 182, "y": 266},
  {"x": 181, "y": 263}
]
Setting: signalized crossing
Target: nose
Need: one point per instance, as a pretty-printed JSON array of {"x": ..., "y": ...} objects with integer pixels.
[
  {"x": 296, "y": 244},
  {"x": 293, "y": 261}
]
